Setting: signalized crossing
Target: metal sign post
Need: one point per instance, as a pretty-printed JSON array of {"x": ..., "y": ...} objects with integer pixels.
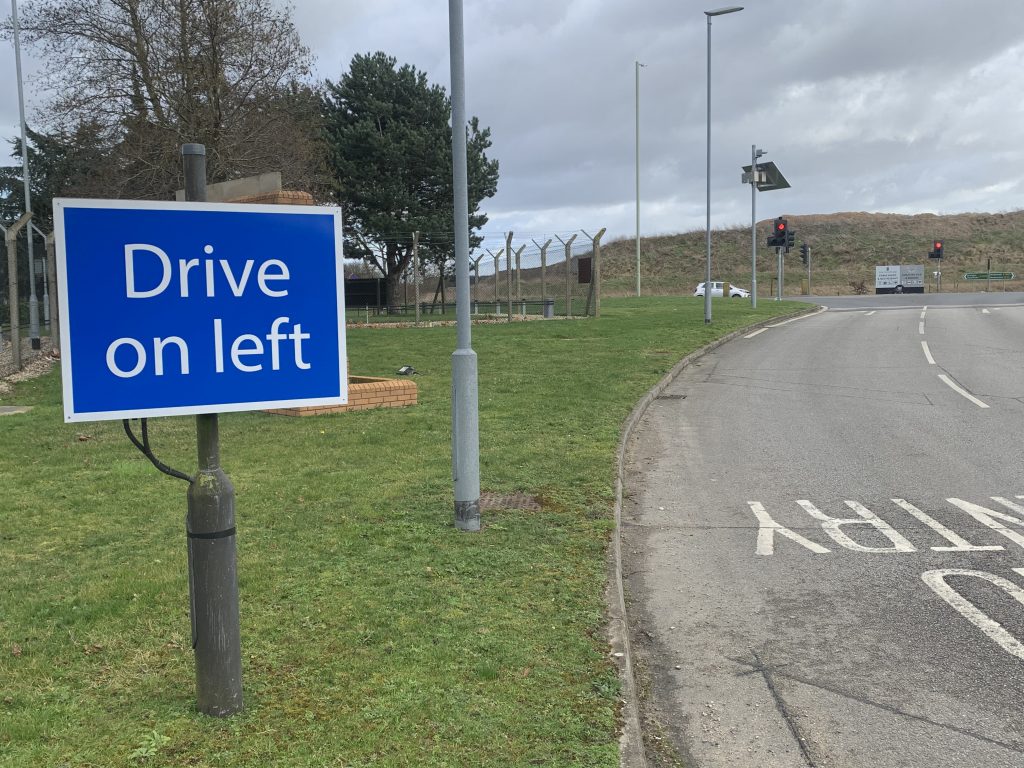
[
  {"x": 762, "y": 177},
  {"x": 197, "y": 308},
  {"x": 210, "y": 527}
]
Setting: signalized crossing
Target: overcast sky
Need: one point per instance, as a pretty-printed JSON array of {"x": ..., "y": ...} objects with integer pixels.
[{"x": 904, "y": 106}]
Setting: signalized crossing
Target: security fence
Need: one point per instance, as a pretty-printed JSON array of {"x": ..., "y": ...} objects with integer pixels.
[
  {"x": 545, "y": 276},
  {"x": 28, "y": 297}
]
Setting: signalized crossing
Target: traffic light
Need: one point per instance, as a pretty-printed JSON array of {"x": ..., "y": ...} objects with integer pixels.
[
  {"x": 936, "y": 251},
  {"x": 780, "y": 229},
  {"x": 805, "y": 254},
  {"x": 790, "y": 238}
]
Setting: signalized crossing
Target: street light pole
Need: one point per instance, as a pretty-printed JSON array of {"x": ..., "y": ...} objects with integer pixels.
[
  {"x": 465, "y": 407},
  {"x": 33, "y": 301},
  {"x": 638, "y": 65},
  {"x": 707, "y": 268}
]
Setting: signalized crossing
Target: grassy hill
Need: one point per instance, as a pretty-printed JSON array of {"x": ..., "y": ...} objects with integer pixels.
[{"x": 845, "y": 247}]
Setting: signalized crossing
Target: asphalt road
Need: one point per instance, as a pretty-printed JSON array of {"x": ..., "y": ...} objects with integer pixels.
[{"x": 824, "y": 542}]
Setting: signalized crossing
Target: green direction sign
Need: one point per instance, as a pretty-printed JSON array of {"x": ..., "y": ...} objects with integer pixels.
[{"x": 988, "y": 276}]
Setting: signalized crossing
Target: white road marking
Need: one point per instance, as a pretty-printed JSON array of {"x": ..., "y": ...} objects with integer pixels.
[
  {"x": 920, "y": 327},
  {"x": 936, "y": 579},
  {"x": 959, "y": 544},
  {"x": 869, "y": 314},
  {"x": 927, "y": 353},
  {"x": 923, "y": 311},
  {"x": 960, "y": 390},
  {"x": 752, "y": 335},
  {"x": 802, "y": 317},
  {"x": 987, "y": 516},
  {"x": 985, "y": 312},
  {"x": 833, "y": 527},
  {"x": 767, "y": 528}
]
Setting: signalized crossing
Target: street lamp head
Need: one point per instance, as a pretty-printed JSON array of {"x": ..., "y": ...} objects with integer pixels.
[{"x": 723, "y": 11}]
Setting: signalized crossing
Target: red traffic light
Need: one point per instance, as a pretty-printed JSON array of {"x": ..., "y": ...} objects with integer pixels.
[
  {"x": 938, "y": 245},
  {"x": 780, "y": 226}
]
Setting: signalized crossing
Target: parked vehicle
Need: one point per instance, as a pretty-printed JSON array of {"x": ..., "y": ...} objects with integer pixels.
[{"x": 718, "y": 290}]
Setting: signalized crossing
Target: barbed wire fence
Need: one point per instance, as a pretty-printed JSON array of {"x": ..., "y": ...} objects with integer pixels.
[
  {"x": 543, "y": 275},
  {"x": 512, "y": 277},
  {"x": 19, "y": 345}
]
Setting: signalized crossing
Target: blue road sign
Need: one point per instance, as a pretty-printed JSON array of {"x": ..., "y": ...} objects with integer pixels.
[{"x": 183, "y": 308}]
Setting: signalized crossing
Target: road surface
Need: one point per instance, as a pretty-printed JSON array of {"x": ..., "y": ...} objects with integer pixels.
[{"x": 823, "y": 538}]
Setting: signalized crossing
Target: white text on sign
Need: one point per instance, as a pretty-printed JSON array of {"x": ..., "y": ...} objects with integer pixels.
[{"x": 246, "y": 351}]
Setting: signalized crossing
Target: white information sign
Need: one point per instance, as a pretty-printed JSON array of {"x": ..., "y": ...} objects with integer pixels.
[{"x": 887, "y": 277}]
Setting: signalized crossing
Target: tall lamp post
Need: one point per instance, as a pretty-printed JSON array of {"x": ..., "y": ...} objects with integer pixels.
[
  {"x": 638, "y": 65},
  {"x": 33, "y": 301},
  {"x": 707, "y": 269},
  {"x": 465, "y": 406}
]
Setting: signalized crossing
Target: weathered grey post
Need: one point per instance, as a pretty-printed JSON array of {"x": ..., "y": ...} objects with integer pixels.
[
  {"x": 210, "y": 526},
  {"x": 595, "y": 272},
  {"x": 11, "y": 238},
  {"x": 519, "y": 285},
  {"x": 47, "y": 268},
  {"x": 476, "y": 283},
  {"x": 508, "y": 272},
  {"x": 519, "y": 273},
  {"x": 497, "y": 274},
  {"x": 568, "y": 275},
  {"x": 465, "y": 400},
  {"x": 51, "y": 279},
  {"x": 543, "y": 269},
  {"x": 416, "y": 270}
]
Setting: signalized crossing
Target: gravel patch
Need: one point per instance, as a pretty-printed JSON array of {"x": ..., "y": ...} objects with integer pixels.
[{"x": 34, "y": 362}]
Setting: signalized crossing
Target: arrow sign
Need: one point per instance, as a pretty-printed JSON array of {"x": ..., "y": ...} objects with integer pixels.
[{"x": 989, "y": 276}]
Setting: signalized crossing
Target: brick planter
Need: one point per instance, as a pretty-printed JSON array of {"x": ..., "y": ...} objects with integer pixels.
[{"x": 364, "y": 392}]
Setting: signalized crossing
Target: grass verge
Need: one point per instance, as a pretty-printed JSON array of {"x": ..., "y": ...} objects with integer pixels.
[{"x": 373, "y": 633}]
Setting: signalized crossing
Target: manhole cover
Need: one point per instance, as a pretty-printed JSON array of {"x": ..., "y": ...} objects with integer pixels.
[
  {"x": 489, "y": 500},
  {"x": 10, "y": 410}
]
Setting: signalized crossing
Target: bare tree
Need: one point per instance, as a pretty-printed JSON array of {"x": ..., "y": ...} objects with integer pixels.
[{"x": 152, "y": 74}]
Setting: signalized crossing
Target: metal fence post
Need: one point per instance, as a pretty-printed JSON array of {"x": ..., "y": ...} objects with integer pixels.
[
  {"x": 416, "y": 270},
  {"x": 212, "y": 557},
  {"x": 476, "y": 283},
  {"x": 497, "y": 273},
  {"x": 11, "y": 238},
  {"x": 543, "y": 269},
  {"x": 519, "y": 284},
  {"x": 568, "y": 273},
  {"x": 595, "y": 271},
  {"x": 51, "y": 279},
  {"x": 508, "y": 271}
]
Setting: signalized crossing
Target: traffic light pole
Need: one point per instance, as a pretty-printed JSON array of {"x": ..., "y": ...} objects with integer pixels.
[
  {"x": 808, "y": 270},
  {"x": 778, "y": 289},
  {"x": 753, "y": 226}
]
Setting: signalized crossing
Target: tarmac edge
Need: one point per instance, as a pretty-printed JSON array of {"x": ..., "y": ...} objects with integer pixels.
[{"x": 632, "y": 750}]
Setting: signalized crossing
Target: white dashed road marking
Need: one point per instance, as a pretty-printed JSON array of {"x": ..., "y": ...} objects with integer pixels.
[{"x": 960, "y": 390}]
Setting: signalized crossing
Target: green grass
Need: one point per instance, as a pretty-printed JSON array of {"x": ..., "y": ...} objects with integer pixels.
[{"x": 373, "y": 633}]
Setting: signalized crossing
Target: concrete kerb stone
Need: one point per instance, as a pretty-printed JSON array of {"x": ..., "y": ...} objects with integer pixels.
[{"x": 632, "y": 753}]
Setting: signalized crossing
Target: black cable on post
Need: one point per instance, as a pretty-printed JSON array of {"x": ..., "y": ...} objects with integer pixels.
[{"x": 144, "y": 447}]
